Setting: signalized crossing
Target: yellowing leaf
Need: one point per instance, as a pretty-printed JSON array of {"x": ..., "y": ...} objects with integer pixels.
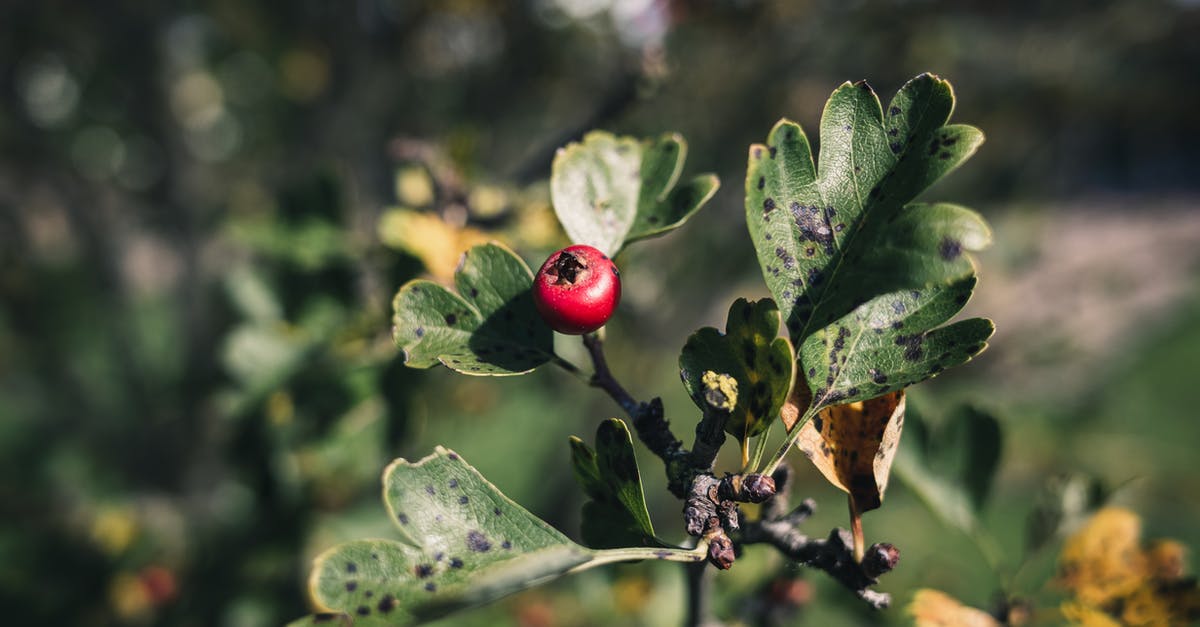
[
  {"x": 853, "y": 446},
  {"x": 933, "y": 608},
  {"x": 425, "y": 236},
  {"x": 1080, "y": 614},
  {"x": 1104, "y": 559}
]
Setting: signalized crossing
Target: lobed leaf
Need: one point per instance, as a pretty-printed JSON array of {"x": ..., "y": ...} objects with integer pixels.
[
  {"x": 750, "y": 351},
  {"x": 890, "y": 343},
  {"x": 463, "y": 543},
  {"x": 831, "y": 236},
  {"x": 490, "y": 327},
  {"x": 608, "y": 190}
]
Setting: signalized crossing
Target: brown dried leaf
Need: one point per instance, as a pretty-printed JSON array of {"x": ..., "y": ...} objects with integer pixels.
[{"x": 853, "y": 445}]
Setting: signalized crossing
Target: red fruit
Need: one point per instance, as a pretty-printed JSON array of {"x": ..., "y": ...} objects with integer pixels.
[{"x": 577, "y": 289}]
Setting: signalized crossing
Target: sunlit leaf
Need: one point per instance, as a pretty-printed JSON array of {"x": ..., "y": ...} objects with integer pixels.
[
  {"x": 892, "y": 342},
  {"x": 608, "y": 190},
  {"x": 934, "y": 608},
  {"x": 427, "y": 237},
  {"x": 616, "y": 515},
  {"x": 750, "y": 351},
  {"x": 853, "y": 446},
  {"x": 831, "y": 236},
  {"x": 463, "y": 543},
  {"x": 490, "y": 327}
]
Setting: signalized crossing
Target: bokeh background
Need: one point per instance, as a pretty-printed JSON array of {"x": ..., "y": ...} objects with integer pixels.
[{"x": 206, "y": 206}]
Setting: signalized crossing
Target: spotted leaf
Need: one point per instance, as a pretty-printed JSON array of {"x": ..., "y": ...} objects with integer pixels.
[
  {"x": 608, "y": 191},
  {"x": 833, "y": 235},
  {"x": 891, "y": 342},
  {"x": 616, "y": 515},
  {"x": 490, "y": 327},
  {"x": 853, "y": 446},
  {"x": 751, "y": 351},
  {"x": 463, "y": 543}
]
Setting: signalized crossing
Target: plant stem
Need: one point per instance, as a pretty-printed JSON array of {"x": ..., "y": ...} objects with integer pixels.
[
  {"x": 699, "y": 594},
  {"x": 788, "y": 442},
  {"x": 603, "y": 378},
  {"x": 856, "y": 531}
]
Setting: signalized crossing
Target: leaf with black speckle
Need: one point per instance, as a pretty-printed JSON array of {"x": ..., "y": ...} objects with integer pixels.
[
  {"x": 608, "y": 190},
  {"x": 452, "y": 553},
  {"x": 833, "y": 235},
  {"x": 891, "y": 342},
  {"x": 751, "y": 351},
  {"x": 490, "y": 327}
]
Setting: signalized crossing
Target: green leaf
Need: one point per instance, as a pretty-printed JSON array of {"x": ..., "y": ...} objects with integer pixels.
[
  {"x": 832, "y": 236},
  {"x": 490, "y": 327},
  {"x": 616, "y": 515},
  {"x": 750, "y": 351},
  {"x": 608, "y": 191},
  {"x": 980, "y": 442},
  {"x": 1063, "y": 503},
  {"x": 463, "y": 543},
  {"x": 890, "y": 343}
]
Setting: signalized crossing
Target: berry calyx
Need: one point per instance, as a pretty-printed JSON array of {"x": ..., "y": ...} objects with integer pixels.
[{"x": 577, "y": 289}]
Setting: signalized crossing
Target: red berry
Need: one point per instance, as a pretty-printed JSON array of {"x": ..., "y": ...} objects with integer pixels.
[{"x": 577, "y": 290}]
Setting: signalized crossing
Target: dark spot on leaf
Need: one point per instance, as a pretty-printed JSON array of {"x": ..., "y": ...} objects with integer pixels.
[
  {"x": 767, "y": 236},
  {"x": 453, "y": 456},
  {"x": 496, "y": 511},
  {"x": 810, "y": 251},
  {"x": 772, "y": 150},
  {"x": 456, "y": 563},
  {"x": 423, "y": 570},
  {"x": 351, "y": 586},
  {"x": 419, "y": 332},
  {"x": 819, "y": 423},
  {"x": 325, "y": 617},
  {"x": 451, "y": 319},
  {"x": 894, "y": 111},
  {"x": 934, "y": 369},
  {"x": 787, "y": 294},
  {"x": 896, "y": 147},
  {"x": 893, "y": 132},
  {"x": 944, "y": 155},
  {"x": 852, "y": 392},
  {"x": 769, "y": 205},
  {"x": 387, "y": 603},
  {"x": 950, "y": 248},
  {"x": 351, "y": 567},
  {"x": 877, "y": 376},
  {"x": 478, "y": 542},
  {"x": 812, "y": 372},
  {"x": 430, "y": 587},
  {"x": 897, "y": 325},
  {"x": 506, "y": 545},
  {"x": 403, "y": 518},
  {"x": 814, "y": 276},
  {"x": 453, "y": 483},
  {"x": 788, "y": 260},
  {"x": 463, "y": 500},
  {"x": 758, "y": 153},
  {"x": 761, "y": 182},
  {"x": 429, "y": 490},
  {"x": 899, "y": 307},
  {"x": 363, "y": 610},
  {"x": 474, "y": 292}
]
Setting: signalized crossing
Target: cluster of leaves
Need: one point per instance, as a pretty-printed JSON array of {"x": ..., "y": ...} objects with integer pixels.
[{"x": 862, "y": 278}]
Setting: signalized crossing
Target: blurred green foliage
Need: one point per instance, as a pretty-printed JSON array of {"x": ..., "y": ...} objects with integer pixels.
[{"x": 197, "y": 388}]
